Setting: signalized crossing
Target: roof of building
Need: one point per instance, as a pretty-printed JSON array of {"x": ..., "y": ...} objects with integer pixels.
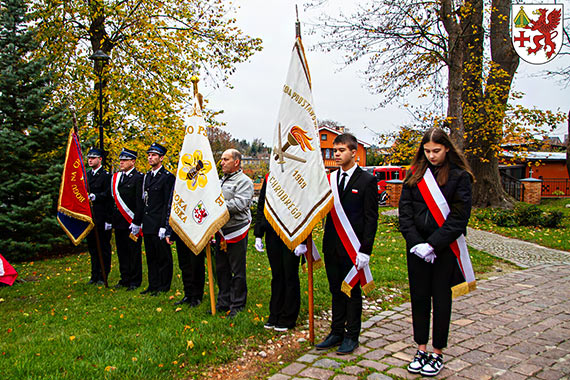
[
  {"x": 535, "y": 156},
  {"x": 365, "y": 144}
]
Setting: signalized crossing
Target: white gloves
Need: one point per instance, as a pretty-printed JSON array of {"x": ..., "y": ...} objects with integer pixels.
[
  {"x": 300, "y": 250},
  {"x": 362, "y": 260},
  {"x": 258, "y": 244},
  {"x": 92, "y": 197},
  {"x": 424, "y": 251},
  {"x": 161, "y": 233},
  {"x": 135, "y": 229},
  {"x": 108, "y": 226}
]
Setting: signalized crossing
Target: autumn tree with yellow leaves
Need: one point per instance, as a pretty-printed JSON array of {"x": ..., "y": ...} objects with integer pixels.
[
  {"x": 458, "y": 52},
  {"x": 155, "y": 47}
]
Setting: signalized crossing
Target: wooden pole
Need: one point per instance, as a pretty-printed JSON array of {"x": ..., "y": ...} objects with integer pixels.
[
  {"x": 210, "y": 279},
  {"x": 310, "y": 280}
]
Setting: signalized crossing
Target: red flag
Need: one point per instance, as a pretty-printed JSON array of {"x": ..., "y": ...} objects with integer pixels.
[
  {"x": 7, "y": 273},
  {"x": 73, "y": 208}
]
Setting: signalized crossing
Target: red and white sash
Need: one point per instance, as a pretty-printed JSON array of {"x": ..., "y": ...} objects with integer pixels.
[
  {"x": 350, "y": 242},
  {"x": 233, "y": 237},
  {"x": 127, "y": 213},
  {"x": 437, "y": 205}
]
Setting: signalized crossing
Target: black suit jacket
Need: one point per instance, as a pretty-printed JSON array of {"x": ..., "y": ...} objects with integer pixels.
[
  {"x": 100, "y": 185},
  {"x": 360, "y": 203},
  {"x": 156, "y": 192},
  {"x": 131, "y": 192}
]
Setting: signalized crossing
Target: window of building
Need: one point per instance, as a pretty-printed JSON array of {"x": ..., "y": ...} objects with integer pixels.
[
  {"x": 327, "y": 153},
  {"x": 323, "y": 136}
]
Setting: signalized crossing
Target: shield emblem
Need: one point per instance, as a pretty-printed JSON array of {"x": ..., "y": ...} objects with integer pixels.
[{"x": 536, "y": 31}]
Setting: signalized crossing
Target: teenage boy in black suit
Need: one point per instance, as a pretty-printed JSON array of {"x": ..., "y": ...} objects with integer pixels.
[
  {"x": 99, "y": 181},
  {"x": 126, "y": 187},
  {"x": 358, "y": 195},
  {"x": 158, "y": 183}
]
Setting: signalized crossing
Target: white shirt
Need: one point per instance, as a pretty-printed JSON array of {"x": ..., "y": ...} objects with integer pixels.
[
  {"x": 94, "y": 171},
  {"x": 349, "y": 173}
]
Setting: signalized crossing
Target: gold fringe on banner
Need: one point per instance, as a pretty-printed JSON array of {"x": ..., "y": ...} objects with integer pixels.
[{"x": 222, "y": 220}]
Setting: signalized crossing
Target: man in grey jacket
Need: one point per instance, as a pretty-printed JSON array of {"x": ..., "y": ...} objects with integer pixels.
[{"x": 231, "y": 242}]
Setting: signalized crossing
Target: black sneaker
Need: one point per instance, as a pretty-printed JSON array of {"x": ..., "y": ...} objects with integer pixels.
[
  {"x": 433, "y": 366},
  {"x": 268, "y": 326},
  {"x": 419, "y": 361}
]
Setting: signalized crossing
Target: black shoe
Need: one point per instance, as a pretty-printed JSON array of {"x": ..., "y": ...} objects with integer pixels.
[
  {"x": 119, "y": 285},
  {"x": 420, "y": 359},
  {"x": 132, "y": 287},
  {"x": 433, "y": 365},
  {"x": 348, "y": 346},
  {"x": 91, "y": 282},
  {"x": 330, "y": 341},
  {"x": 183, "y": 300},
  {"x": 146, "y": 291},
  {"x": 195, "y": 302},
  {"x": 233, "y": 313},
  {"x": 269, "y": 326},
  {"x": 100, "y": 282}
]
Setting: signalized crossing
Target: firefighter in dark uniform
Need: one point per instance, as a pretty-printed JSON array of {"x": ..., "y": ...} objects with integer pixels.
[
  {"x": 126, "y": 187},
  {"x": 157, "y": 188},
  {"x": 99, "y": 181}
]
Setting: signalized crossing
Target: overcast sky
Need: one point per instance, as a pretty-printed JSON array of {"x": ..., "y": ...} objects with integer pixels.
[{"x": 251, "y": 107}]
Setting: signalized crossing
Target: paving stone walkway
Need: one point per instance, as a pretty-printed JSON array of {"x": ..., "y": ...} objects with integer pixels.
[{"x": 514, "y": 326}]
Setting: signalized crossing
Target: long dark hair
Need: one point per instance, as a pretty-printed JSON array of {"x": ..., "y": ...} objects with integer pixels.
[{"x": 454, "y": 155}]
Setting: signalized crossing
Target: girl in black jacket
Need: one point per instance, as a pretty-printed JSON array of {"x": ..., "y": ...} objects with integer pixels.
[{"x": 432, "y": 266}]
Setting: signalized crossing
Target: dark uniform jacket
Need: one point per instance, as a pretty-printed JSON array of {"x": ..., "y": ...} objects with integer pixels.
[
  {"x": 418, "y": 225},
  {"x": 156, "y": 194},
  {"x": 130, "y": 190},
  {"x": 100, "y": 185},
  {"x": 360, "y": 203}
]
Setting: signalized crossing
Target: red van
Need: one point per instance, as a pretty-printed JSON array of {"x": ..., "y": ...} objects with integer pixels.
[{"x": 383, "y": 174}]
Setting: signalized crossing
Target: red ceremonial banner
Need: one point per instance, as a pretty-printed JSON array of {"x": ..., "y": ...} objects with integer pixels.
[{"x": 74, "y": 210}]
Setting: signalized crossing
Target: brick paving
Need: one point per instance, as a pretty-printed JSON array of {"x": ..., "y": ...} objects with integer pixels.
[{"x": 514, "y": 326}]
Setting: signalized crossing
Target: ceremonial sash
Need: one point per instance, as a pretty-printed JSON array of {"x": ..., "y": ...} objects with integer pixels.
[
  {"x": 127, "y": 213},
  {"x": 437, "y": 205},
  {"x": 350, "y": 242},
  {"x": 233, "y": 237}
]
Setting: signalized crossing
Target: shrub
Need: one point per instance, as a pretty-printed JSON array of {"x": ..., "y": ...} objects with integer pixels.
[
  {"x": 528, "y": 215},
  {"x": 552, "y": 219},
  {"x": 504, "y": 218}
]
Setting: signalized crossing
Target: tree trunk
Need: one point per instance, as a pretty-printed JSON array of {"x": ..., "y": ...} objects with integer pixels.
[
  {"x": 485, "y": 110},
  {"x": 454, "y": 61}
]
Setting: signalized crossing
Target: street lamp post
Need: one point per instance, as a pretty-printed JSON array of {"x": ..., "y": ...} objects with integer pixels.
[{"x": 100, "y": 59}]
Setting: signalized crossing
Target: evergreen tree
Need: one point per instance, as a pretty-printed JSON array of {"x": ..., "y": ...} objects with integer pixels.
[{"x": 32, "y": 142}]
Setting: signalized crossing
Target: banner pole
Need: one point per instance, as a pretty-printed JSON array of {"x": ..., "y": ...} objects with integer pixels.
[
  {"x": 210, "y": 279},
  {"x": 310, "y": 281}
]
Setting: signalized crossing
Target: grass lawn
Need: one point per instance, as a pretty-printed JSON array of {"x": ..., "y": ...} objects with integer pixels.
[
  {"x": 558, "y": 238},
  {"x": 55, "y": 326}
]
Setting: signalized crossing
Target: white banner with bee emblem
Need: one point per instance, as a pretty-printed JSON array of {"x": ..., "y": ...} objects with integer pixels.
[
  {"x": 198, "y": 207},
  {"x": 298, "y": 194},
  {"x": 537, "y": 31}
]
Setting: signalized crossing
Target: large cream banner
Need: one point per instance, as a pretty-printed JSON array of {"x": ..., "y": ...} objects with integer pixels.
[
  {"x": 198, "y": 207},
  {"x": 298, "y": 193}
]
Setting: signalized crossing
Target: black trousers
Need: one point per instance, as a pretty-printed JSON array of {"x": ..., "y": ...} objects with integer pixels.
[
  {"x": 159, "y": 263},
  {"x": 192, "y": 268},
  {"x": 285, "y": 287},
  {"x": 105, "y": 243},
  {"x": 230, "y": 270},
  {"x": 346, "y": 311},
  {"x": 130, "y": 258},
  {"x": 431, "y": 283}
]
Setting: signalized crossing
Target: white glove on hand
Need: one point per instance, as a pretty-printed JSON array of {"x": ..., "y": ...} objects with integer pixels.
[
  {"x": 430, "y": 258},
  {"x": 258, "y": 244},
  {"x": 134, "y": 229},
  {"x": 161, "y": 233},
  {"x": 300, "y": 250},
  {"x": 362, "y": 260},
  {"x": 92, "y": 197},
  {"x": 108, "y": 226},
  {"x": 422, "y": 250}
]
